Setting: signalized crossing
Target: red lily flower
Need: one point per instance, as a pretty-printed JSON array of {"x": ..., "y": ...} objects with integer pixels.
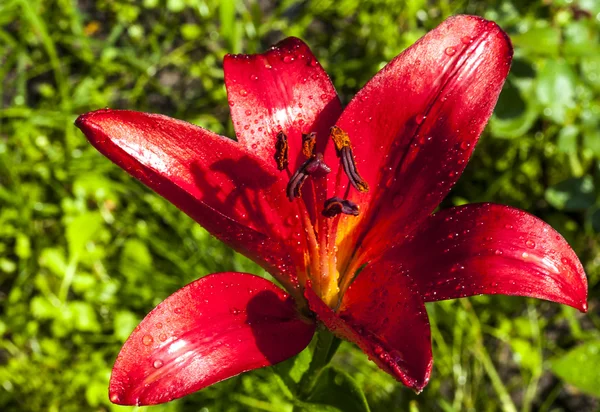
[{"x": 337, "y": 205}]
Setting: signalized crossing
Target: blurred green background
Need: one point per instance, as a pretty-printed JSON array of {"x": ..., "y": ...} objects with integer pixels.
[{"x": 86, "y": 251}]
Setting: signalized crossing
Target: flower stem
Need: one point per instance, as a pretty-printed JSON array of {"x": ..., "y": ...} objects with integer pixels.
[{"x": 327, "y": 345}]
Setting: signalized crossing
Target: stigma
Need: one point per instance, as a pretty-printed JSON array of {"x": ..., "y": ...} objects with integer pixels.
[{"x": 320, "y": 212}]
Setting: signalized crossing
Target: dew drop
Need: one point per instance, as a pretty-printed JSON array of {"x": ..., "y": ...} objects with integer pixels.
[
  {"x": 254, "y": 77},
  {"x": 314, "y": 63},
  {"x": 268, "y": 66},
  {"x": 162, "y": 337},
  {"x": 158, "y": 364},
  {"x": 243, "y": 92},
  {"x": 498, "y": 252},
  {"x": 420, "y": 118},
  {"x": 450, "y": 51},
  {"x": 397, "y": 200},
  {"x": 248, "y": 112},
  {"x": 288, "y": 59},
  {"x": 159, "y": 325},
  {"x": 465, "y": 145},
  {"x": 178, "y": 311},
  {"x": 525, "y": 255},
  {"x": 508, "y": 226},
  {"x": 466, "y": 40},
  {"x": 564, "y": 261},
  {"x": 234, "y": 311},
  {"x": 530, "y": 243},
  {"x": 147, "y": 340}
]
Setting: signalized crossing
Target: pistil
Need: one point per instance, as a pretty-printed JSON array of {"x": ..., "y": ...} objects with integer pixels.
[{"x": 320, "y": 259}]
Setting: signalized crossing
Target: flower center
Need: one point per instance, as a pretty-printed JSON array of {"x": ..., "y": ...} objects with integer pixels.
[{"x": 320, "y": 214}]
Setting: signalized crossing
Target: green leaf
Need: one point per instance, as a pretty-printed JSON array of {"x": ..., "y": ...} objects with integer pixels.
[
  {"x": 556, "y": 90},
  {"x": 567, "y": 139},
  {"x": 84, "y": 317},
  {"x": 578, "y": 367},
  {"x": 337, "y": 390},
  {"x": 80, "y": 230},
  {"x": 291, "y": 370},
  {"x": 539, "y": 40},
  {"x": 591, "y": 142},
  {"x": 572, "y": 194}
]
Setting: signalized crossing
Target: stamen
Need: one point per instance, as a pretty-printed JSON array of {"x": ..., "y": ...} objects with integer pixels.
[
  {"x": 335, "y": 206},
  {"x": 344, "y": 151},
  {"x": 314, "y": 165},
  {"x": 308, "y": 144},
  {"x": 281, "y": 151}
]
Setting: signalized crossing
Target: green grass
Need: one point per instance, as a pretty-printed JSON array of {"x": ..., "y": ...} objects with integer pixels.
[{"x": 70, "y": 297}]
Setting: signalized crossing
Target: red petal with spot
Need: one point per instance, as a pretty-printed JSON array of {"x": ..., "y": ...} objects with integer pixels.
[
  {"x": 284, "y": 89},
  {"x": 210, "y": 330},
  {"x": 415, "y": 124},
  {"x": 492, "y": 249},
  {"x": 224, "y": 187},
  {"x": 387, "y": 320}
]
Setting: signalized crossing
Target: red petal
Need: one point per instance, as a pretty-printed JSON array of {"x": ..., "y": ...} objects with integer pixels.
[
  {"x": 387, "y": 320},
  {"x": 492, "y": 249},
  {"x": 216, "y": 181},
  {"x": 210, "y": 330},
  {"x": 415, "y": 124},
  {"x": 284, "y": 89}
]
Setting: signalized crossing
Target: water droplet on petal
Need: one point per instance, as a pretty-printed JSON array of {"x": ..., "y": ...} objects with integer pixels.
[
  {"x": 162, "y": 337},
  {"x": 158, "y": 363},
  {"x": 530, "y": 243},
  {"x": 243, "y": 92},
  {"x": 466, "y": 40},
  {"x": 314, "y": 63},
  {"x": 288, "y": 59},
  {"x": 498, "y": 252},
  {"x": 147, "y": 340},
  {"x": 450, "y": 51},
  {"x": 248, "y": 112},
  {"x": 465, "y": 145},
  {"x": 525, "y": 255},
  {"x": 397, "y": 200},
  {"x": 508, "y": 226},
  {"x": 254, "y": 77},
  {"x": 420, "y": 118},
  {"x": 178, "y": 311}
]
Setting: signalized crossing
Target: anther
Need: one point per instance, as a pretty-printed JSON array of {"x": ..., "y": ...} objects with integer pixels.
[
  {"x": 314, "y": 165},
  {"x": 335, "y": 206},
  {"x": 308, "y": 144},
  {"x": 344, "y": 151},
  {"x": 281, "y": 151}
]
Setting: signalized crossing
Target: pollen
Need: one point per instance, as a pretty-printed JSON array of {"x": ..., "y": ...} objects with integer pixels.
[
  {"x": 308, "y": 144},
  {"x": 343, "y": 147},
  {"x": 281, "y": 151}
]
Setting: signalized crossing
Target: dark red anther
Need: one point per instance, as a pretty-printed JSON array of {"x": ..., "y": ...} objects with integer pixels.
[
  {"x": 313, "y": 166},
  {"x": 281, "y": 151},
  {"x": 335, "y": 206}
]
